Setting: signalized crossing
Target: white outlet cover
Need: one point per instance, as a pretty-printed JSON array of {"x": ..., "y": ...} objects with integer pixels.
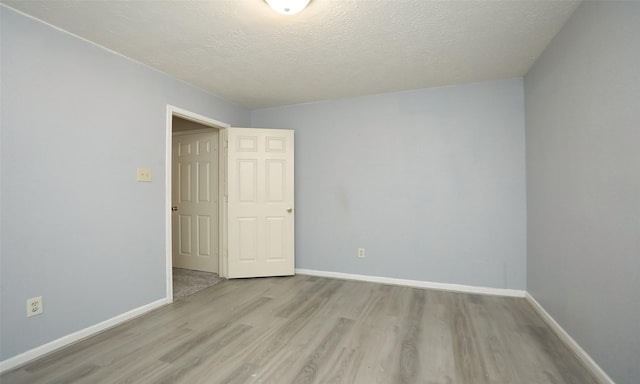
[{"x": 34, "y": 306}]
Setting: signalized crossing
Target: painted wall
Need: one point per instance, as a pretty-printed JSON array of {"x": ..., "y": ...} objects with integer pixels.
[
  {"x": 430, "y": 182},
  {"x": 582, "y": 102},
  {"x": 76, "y": 227}
]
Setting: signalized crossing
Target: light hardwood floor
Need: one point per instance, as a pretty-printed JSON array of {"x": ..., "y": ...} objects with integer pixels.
[{"x": 306, "y": 329}]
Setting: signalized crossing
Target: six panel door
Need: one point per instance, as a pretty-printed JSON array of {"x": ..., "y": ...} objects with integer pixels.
[
  {"x": 260, "y": 202},
  {"x": 195, "y": 220}
]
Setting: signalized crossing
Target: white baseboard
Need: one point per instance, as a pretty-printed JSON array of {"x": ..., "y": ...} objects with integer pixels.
[
  {"x": 417, "y": 283},
  {"x": 64, "y": 341},
  {"x": 580, "y": 353}
]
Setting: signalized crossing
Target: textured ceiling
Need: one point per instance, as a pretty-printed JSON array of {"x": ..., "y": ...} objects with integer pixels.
[{"x": 245, "y": 52}]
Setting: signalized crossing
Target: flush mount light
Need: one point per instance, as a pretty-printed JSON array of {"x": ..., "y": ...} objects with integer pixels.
[{"x": 288, "y": 7}]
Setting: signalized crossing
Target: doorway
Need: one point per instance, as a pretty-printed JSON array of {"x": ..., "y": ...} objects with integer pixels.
[
  {"x": 255, "y": 199},
  {"x": 196, "y": 185}
]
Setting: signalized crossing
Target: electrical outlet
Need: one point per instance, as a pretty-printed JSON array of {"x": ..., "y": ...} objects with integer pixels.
[
  {"x": 144, "y": 174},
  {"x": 360, "y": 252},
  {"x": 34, "y": 306}
]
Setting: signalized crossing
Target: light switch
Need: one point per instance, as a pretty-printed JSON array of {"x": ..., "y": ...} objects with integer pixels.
[{"x": 144, "y": 174}]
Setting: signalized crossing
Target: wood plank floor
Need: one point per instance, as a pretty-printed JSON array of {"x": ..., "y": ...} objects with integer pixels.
[{"x": 306, "y": 329}]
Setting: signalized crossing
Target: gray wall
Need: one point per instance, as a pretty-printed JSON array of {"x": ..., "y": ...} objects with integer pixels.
[
  {"x": 430, "y": 182},
  {"x": 76, "y": 227},
  {"x": 582, "y": 102}
]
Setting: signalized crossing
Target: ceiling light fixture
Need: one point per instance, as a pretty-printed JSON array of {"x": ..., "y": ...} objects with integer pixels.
[{"x": 288, "y": 7}]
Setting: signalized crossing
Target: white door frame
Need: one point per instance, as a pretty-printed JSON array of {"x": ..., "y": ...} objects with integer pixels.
[{"x": 188, "y": 115}]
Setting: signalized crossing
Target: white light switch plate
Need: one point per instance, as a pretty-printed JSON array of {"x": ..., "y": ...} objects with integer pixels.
[{"x": 144, "y": 174}]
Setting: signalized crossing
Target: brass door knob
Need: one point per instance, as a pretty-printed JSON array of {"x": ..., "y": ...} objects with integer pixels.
[
  {"x": 174, "y": 209},
  {"x": 289, "y": 210}
]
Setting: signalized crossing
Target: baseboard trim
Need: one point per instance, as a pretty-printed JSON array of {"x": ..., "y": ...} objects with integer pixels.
[
  {"x": 32, "y": 354},
  {"x": 580, "y": 353},
  {"x": 416, "y": 283}
]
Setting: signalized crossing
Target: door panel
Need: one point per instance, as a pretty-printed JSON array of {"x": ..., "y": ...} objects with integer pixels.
[
  {"x": 260, "y": 206},
  {"x": 195, "y": 195}
]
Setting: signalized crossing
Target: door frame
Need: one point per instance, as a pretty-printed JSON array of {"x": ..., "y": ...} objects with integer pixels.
[{"x": 173, "y": 111}]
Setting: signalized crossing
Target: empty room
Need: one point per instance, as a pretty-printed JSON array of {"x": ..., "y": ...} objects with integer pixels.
[{"x": 323, "y": 191}]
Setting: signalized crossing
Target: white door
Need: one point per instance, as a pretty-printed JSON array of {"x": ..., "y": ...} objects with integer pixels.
[
  {"x": 260, "y": 206},
  {"x": 195, "y": 201}
]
